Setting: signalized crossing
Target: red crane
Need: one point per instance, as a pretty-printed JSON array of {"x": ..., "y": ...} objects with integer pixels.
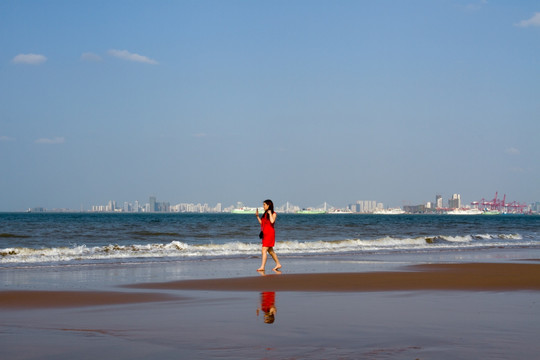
[{"x": 500, "y": 205}]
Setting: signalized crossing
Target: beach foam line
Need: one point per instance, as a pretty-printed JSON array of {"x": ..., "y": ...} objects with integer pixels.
[
  {"x": 181, "y": 250},
  {"x": 463, "y": 276},
  {"x": 22, "y": 299}
]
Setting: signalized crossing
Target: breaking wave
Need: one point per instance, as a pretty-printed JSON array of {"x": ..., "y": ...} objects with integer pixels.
[{"x": 180, "y": 250}]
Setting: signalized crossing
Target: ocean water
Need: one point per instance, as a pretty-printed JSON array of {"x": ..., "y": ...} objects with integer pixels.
[{"x": 29, "y": 239}]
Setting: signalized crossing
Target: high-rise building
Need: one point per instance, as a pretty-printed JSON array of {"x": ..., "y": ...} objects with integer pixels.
[
  {"x": 152, "y": 203},
  {"x": 438, "y": 201},
  {"x": 111, "y": 206},
  {"x": 365, "y": 206},
  {"x": 455, "y": 201}
]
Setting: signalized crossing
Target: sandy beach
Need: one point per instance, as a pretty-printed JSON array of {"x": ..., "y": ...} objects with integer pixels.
[
  {"x": 426, "y": 277},
  {"x": 425, "y": 311},
  {"x": 62, "y": 299},
  {"x": 473, "y": 277}
]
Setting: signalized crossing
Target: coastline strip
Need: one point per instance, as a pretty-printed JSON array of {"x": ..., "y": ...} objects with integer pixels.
[
  {"x": 440, "y": 277},
  {"x": 424, "y": 277}
]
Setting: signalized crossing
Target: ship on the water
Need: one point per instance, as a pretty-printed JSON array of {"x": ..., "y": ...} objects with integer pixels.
[
  {"x": 491, "y": 212},
  {"x": 311, "y": 211},
  {"x": 389, "y": 211},
  {"x": 246, "y": 210},
  {"x": 339, "y": 211},
  {"x": 464, "y": 211}
]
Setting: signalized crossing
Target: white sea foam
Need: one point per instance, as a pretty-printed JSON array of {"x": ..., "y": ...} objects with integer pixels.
[
  {"x": 180, "y": 250},
  {"x": 463, "y": 239},
  {"x": 511, "y": 236}
]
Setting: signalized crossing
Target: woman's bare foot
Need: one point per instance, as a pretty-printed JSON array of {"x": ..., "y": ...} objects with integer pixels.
[
  {"x": 278, "y": 266},
  {"x": 260, "y": 269}
]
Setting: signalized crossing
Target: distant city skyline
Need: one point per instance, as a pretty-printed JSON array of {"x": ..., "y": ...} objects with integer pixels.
[{"x": 359, "y": 206}]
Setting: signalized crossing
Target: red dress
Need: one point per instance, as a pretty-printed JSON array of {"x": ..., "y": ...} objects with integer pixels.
[
  {"x": 269, "y": 234},
  {"x": 268, "y": 300}
]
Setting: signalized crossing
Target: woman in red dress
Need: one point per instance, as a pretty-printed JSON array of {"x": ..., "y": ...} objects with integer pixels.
[{"x": 267, "y": 222}]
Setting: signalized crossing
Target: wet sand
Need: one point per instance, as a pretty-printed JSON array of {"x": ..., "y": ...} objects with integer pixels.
[
  {"x": 440, "y": 277},
  {"x": 59, "y": 299},
  {"x": 471, "y": 276},
  {"x": 433, "y": 311}
]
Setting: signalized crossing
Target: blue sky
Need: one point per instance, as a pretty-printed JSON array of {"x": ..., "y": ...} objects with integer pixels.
[{"x": 300, "y": 101}]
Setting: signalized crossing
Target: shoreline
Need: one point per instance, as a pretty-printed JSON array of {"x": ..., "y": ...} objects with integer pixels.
[
  {"x": 109, "y": 276},
  {"x": 421, "y": 277}
]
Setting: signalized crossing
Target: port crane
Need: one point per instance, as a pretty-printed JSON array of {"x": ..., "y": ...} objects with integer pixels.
[{"x": 501, "y": 205}]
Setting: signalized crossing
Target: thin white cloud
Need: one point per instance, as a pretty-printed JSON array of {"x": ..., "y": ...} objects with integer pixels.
[
  {"x": 6, "y": 139},
  {"x": 512, "y": 151},
  {"x": 533, "y": 21},
  {"x": 89, "y": 56},
  {"x": 126, "y": 55},
  {"x": 31, "y": 59},
  {"x": 50, "y": 141}
]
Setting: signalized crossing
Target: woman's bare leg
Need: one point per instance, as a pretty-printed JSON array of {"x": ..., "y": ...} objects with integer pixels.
[
  {"x": 274, "y": 256},
  {"x": 264, "y": 257}
]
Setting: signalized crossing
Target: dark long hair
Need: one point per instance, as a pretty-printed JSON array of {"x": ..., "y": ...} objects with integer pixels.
[{"x": 270, "y": 206}]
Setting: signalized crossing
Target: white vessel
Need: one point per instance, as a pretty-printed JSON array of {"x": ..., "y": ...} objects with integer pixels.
[
  {"x": 246, "y": 210},
  {"x": 311, "y": 211},
  {"x": 464, "y": 212},
  {"x": 390, "y": 211},
  {"x": 339, "y": 211}
]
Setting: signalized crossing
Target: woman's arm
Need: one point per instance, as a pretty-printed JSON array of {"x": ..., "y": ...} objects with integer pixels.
[
  {"x": 273, "y": 217},
  {"x": 257, "y": 215}
]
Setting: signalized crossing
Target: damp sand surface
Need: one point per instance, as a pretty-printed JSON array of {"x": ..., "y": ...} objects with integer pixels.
[{"x": 423, "y": 311}]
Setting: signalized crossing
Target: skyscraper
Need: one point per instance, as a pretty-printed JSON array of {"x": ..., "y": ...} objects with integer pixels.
[
  {"x": 455, "y": 201},
  {"x": 152, "y": 203},
  {"x": 438, "y": 201}
]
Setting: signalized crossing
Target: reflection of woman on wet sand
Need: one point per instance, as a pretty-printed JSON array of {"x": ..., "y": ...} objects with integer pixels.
[
  {"x": 267, "y": 222},
  {"x": 268, "y": 306}
]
